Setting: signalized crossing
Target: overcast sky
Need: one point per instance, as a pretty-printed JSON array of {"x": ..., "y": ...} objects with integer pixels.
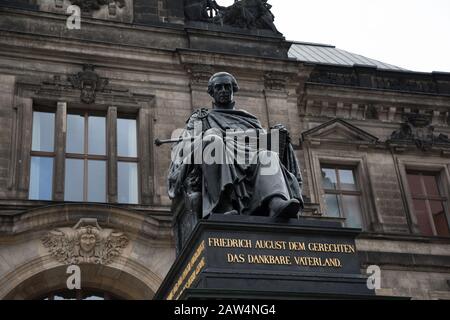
[{"x": 413, "y": 34}]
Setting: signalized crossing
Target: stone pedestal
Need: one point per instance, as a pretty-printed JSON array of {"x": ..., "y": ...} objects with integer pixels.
[{"x": 240, "y": 257}]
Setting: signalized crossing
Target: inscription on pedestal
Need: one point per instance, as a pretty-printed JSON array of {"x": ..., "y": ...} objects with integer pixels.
[
  {"x": 236, "y": 257},
  {"x": 284, "y": 252}
]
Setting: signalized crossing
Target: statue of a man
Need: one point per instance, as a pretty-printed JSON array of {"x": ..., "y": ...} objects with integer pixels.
[{"x": 271, "y": 187}]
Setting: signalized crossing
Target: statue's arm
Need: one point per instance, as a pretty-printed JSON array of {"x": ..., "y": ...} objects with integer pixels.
[
  {"x": 185, "y": 176},
  {"x": 289, "y": 159}
]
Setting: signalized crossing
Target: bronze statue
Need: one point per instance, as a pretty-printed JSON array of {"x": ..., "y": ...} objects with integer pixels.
[
  {"x": 247, "y": 14},
  {"x": 250, "y": 14},
  {"x": 251, "y": 187}
]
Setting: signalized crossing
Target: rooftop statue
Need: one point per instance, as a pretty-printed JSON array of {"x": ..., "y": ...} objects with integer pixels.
[
  {"x": 235, "y": 175},
  {"x": 247, "y": 14}
]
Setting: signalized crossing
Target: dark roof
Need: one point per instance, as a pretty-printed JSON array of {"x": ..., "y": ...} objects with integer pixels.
[{"x": 327, "y": 54}]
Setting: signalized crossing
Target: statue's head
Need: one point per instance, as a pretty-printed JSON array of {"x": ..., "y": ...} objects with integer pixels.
[{"x": 221, "y": 87}]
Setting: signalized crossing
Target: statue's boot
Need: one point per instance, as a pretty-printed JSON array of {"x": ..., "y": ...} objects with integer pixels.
[
  {"x": 280, "y": 208},
  {"x": 232, "y": 213}
]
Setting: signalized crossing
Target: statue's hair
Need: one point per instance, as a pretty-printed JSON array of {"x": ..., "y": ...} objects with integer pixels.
[{"x": 220, "y": 74}]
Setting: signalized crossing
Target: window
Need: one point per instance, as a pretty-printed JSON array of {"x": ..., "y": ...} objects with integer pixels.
[
  {"x": 127, "y": 167},
  {"x": 85, "y": 174},
  {"x": 342, "y": 195},
  {"x": 85, "y": 156},
  {"x": 428, "y": 203},
  {"x": 82, "y": 294},
  {"x": 42, "y": 156}
]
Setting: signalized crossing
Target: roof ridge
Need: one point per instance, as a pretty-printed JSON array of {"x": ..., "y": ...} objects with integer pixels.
[
  {"x": 328, "y": 54},
  {"x": 315, "y": 44}
]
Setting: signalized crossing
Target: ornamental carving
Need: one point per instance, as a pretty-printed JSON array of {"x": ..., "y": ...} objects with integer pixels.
[
  {"x": 417, "y": 129},
  {"x": 247, "y": 14},
  {"x": 93, "y": 5},
  {"x": 200, "y": 74},
  {"x": 275, "y": 81},
  {"x": 86, "y": 242},
  {"x": 89, "y": 82}
]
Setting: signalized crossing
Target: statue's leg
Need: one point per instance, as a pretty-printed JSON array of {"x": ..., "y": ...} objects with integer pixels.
[
  {"x": 268, "y": 180},
  {"x": 218, "y": 177}
]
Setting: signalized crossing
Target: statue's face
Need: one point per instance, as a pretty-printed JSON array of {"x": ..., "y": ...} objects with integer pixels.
[
  {"x": 87, "y": 242},
  {"x": 223, "y": 91}
]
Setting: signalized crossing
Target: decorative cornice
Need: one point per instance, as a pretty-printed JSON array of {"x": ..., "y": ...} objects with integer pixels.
[{"x": 373, "y": 78}]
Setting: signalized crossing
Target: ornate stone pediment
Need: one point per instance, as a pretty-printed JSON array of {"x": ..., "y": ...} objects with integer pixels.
[
  {"x": 86, "y": 242},
  {"x": 338, "y": 130},
  {"x": 417, "y": 129}
]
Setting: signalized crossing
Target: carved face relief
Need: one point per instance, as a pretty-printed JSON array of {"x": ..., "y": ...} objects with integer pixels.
[
  {"x": 88, "y": 92},
  {"x": 89, "y": 82},
  {"x": 87, "y": 242}
]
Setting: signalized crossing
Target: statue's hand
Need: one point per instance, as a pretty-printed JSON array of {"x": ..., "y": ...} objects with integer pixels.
[{"x": 193, "y": 182}]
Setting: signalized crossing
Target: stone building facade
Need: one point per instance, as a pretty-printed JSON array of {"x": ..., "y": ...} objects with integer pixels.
[{"x": 372, "y": 140}]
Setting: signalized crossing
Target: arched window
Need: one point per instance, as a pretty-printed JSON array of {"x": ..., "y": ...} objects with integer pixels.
[{"x": 84, "y": 294}]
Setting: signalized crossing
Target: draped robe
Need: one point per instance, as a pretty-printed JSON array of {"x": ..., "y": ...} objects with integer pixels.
[{"x": 248, "y": 186}]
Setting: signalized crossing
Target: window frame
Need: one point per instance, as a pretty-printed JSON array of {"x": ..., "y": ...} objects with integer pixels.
[
  {"x": 338, "y": 191},
  {"x": 319, "y": 158},
  {"x": 141, "y": 104},
  {"x": 137, "y": 159},
  {"x": 85, "y": 156},
  {"x": 428, "y": 198},
  {"x": 429, "y": 166},
  {"x": 61, "y": 110},
  {"x": 42, "y": 154}
]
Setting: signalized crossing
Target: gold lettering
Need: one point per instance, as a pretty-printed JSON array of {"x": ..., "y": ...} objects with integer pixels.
[
  {"x": 235, "y": 258},
  {"x": 229, "y": 243},
  {"x": 268, "y": 259},
  {"x": 331, "y": 247},
  {"x": 318, "y": 262},
  {"x": 187, "y": 270},
  {"x": 297, "y": 246},
  {"x": 269, "y": 244}
]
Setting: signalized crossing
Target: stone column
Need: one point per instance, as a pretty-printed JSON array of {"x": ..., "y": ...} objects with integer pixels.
[
  {"x": 60, "y": 150},
  {"x": 7, "y": 139},
  {"x": 112, "y": 147}
]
